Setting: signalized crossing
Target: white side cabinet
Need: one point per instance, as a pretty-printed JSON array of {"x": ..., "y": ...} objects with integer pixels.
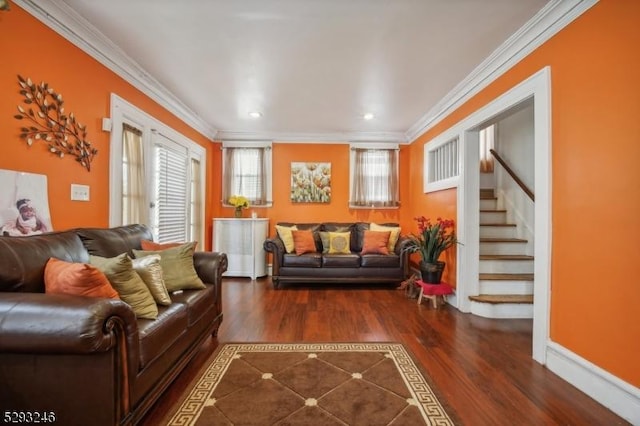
[{"x": 241, "y": 240}]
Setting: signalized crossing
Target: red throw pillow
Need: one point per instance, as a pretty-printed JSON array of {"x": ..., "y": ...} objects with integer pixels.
[
  {"x": 153, "y": 246},
  {"x": 80, "y": 279},
  {"x": 375, "y": 242},
  {"x": 303, "y": 242}
]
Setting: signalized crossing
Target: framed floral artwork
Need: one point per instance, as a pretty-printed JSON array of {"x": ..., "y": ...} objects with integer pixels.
[{"x": 310, "y": 182}]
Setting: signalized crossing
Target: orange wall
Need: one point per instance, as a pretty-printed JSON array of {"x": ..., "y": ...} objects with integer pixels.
[
  {"x": 31, "y": 49},
  {"x": 595, "y": 69},
  {"x": 337, "y": 210}
]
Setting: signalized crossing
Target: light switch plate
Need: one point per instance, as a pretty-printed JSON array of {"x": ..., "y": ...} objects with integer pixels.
[{"x": 79, "y": 192}]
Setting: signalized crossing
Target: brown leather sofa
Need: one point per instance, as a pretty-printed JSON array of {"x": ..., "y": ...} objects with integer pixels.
[
  {"x": 89, "y": 361},
  {"x": 336, "y": 268}
]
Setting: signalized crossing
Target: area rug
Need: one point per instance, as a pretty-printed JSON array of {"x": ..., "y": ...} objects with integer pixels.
[{"x": 311, "y": 384}]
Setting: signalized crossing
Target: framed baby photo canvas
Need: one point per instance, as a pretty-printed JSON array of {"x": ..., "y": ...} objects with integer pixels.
[{"x": 24, "y": 204}]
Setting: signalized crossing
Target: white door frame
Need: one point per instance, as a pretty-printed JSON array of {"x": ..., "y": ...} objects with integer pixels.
[{"x": 538, "y": 87}]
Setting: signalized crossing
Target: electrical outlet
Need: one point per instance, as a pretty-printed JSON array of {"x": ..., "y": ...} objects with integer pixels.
[{"x": 79, "y": 192}]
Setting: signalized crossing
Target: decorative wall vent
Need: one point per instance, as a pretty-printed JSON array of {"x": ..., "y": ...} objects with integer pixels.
[{"x": 442, "y": 168}]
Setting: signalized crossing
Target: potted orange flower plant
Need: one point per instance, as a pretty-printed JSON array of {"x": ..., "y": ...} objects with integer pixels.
[{"x": 432, "y": 239}]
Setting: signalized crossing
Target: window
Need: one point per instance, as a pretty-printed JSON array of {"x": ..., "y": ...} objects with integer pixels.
[
  {"x": 374, "y": 176},
  {"x": 442, "y": 161},
  {"x": 247, "y": 172},
  {"x": 169, "y": 203},
  {"x": 156, "y": 176}
]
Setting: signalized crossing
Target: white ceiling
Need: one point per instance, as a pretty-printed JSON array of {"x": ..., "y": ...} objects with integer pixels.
[{"x": 311, "y": 67}]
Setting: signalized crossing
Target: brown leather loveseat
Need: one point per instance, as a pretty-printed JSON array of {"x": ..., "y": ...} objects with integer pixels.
[
  {"x": 352, "y": 267},
  {"x": 88, "y": 360}
]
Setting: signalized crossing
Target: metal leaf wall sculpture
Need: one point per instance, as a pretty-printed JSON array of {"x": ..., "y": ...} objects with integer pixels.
[{"x": 47, "y": 122}]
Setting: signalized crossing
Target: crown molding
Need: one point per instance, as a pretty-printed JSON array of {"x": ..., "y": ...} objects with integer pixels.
[
  {"x": 58, "y": 16},
  {"x": 545, "y": 24},
  {"x": 556, "y": 15},
  {"x": 284, "y": 137}
]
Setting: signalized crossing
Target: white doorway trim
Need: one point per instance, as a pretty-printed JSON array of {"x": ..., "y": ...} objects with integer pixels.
[{"x": 538, "y": 88}]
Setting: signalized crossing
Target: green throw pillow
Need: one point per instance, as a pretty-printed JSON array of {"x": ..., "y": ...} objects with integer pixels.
[
  {"x": 177, "y": 267},
  {"x": 150, "y": 271},
  {"x": 324, "y": 237},
  {"x": 128, "y": 284}
]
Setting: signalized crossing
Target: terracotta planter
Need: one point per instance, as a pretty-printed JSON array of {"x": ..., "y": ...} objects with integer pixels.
[{"x": 432, "y": 272}]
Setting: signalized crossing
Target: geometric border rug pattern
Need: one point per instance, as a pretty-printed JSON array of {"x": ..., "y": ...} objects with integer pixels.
[{"x": 332, "y": 384}]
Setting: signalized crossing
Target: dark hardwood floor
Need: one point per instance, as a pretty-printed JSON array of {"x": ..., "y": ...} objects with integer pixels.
[{"x": 481, "y": 367}]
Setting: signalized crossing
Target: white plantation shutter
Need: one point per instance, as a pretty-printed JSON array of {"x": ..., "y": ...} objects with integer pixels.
[
  {"x": 196, "y": 207},
  {"x": 171, "y": 189}
]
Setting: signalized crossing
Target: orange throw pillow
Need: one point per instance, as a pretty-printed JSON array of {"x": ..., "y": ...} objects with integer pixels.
[
  {"x": 375, "y": 242},
  {"x": 152, "y": 246},
  {"x": 303, "y": 242},
  {"x": 80, "y": 279}
]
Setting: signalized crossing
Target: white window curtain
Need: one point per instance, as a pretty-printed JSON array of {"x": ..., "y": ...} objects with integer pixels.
[
  {"x": 375, "y": 178},
  {"x": 487, "y": 143},
  {"x": 134, "y": 200},
  {"x": 246, "y": 173}
]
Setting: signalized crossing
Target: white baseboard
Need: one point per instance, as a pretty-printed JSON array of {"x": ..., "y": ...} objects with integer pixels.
[
  {"x": 617, "y": 395},
  {"x": 452, "y": 300}
]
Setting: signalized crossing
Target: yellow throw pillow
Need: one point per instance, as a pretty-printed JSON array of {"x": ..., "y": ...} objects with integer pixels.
[
  {"x": 286, "y": 235},
  {"x": 393, "y": 237},
  {"x": 339, "y": 242}
]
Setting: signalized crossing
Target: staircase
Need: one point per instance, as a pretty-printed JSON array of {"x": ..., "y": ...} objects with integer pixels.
[{"x": 506, "y": 271}]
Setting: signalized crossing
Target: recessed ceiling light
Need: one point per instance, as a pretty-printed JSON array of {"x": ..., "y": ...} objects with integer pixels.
[
  {"x": 368, "y": 116},
  {"x": 255, "y": 114}
]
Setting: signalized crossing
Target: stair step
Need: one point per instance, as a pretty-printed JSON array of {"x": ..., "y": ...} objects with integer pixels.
[
  {"x": 493, "y": 216},
  {"x": 507, "y": 277},
  {"x": 505, "y": 257},
  {"x": 488, "y": 203},
  {"x": 505, "y": 287},
  {"x": 505, "y": 283},
  {"x": 497, "y": 230},
  {"x": 503, "y": 298},
  {"x": 487, "y": 192},
  {"x": 502, "y": 240},
  {"x": 507, "y": 265},
  {"x": 502, "y": 246}
]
